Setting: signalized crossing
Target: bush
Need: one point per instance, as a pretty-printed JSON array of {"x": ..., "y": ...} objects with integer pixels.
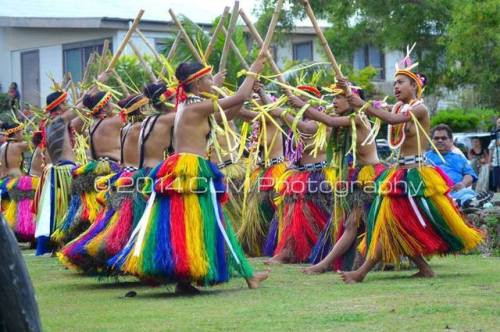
[{"x": 460, "y": 120}]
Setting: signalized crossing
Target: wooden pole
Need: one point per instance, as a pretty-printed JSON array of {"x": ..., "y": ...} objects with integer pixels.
[
  {"x": 322, "y": 39},
  {"x": 272, "y": 27},
  {"x": 105, "y": 48},
  {"x": 258, "y": 39},
  {"x": 148, "y": 44},
  {"x": 120, "y": 83},
  {"x": 87, "y": 69},
  {"x": 217, "y": 30},
  {"x": 142, "y": 60},
  {"x": 175, "y": 44},
  {"x": 236, "y": 51},
  {"x": 185, "y": 36},
  {"x": 124, "y": 43},
  {"x": 229, "y": 36}
]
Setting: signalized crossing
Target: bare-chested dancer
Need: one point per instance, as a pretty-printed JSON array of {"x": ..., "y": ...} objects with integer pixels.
[
  {"x": 188, "y": 190},
  {"x": 412, "y": 214}
]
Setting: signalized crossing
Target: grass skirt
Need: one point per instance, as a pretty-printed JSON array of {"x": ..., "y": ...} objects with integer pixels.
[
  {"x": 4, "y": 194},
  {"x": 352, "y": 206},
  {"x": 303, "y": 208},
  {"x": 19, "y": 213},
  {"x": 183, "y": 235},
  {"x": 51, "y": 202},
  {"x": 260, "y": 208},
  {"x": 413, "y": 215},
  {"x": 111, "y": 230},
  {"x": 234, "y": 175},
  {"x": 83, "y": 206}
]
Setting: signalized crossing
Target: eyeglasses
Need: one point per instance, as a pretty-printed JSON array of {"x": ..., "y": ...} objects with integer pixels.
[{"x": 440, "y": 138}]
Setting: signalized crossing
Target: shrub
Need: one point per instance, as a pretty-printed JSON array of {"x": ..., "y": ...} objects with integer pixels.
[{"x": 460, "y": 120}]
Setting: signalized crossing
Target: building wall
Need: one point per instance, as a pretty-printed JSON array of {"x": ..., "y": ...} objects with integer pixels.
[{"x": 284, "y": 52}]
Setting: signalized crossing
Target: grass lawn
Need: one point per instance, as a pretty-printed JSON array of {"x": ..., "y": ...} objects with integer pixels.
[{"x": 464, "y": 297}]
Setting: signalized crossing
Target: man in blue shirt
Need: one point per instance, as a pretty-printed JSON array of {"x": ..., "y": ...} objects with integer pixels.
[{"x": 457, "y": 167}]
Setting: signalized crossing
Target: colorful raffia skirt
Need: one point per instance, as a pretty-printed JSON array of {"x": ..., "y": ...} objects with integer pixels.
[
  {"x": 304, "y": 207},
  {"x": 51, "y": 202},
  {"x": 234, "y": 174},
  {"x": 352, "y": 201},
  {"x": 413, "y": 215},
  {"x": 259, "y": 208},
  {"x": 4, "y": 194},
  {"x": 106, "y": 237},
  {"x": 83, "y": 206},
  {"x": 19, "y": 213},
  {"x": 183, "y": 234}
]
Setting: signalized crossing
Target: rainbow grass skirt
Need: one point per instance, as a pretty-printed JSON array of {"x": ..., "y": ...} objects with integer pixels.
[
  {"x": 83, "y": 206},
  {"x": 343, "y": 212},
  {"x": 124, "y": 205},
  {"x": 413, "y": 215},
  {"x": 183, "y": 234},
  {"x": 304, "y": 206},
  {"x": 260, "y": 208},
  {"x": 19, "y": 213}
]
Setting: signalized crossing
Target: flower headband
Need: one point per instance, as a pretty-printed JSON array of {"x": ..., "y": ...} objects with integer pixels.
[
  {"x": 310, "y": 89},
  {"x": 14, "y": 130},
  {"x": 104, "y": 100}
]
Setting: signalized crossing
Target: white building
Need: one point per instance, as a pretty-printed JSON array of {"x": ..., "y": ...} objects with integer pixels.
[{"x": 43, "y": 39}]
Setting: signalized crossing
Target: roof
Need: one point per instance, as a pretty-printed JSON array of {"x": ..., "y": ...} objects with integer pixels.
[{"x": 102, "y": 13}]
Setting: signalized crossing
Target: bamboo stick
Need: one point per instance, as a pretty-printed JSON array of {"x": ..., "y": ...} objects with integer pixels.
[
  {"x": 324, "y": 42},
  {"x": 124, "y": 43},
  {"x": 236, "y": 51},
  {"x": 142, "y": 60},
  {"x": 148, "y": 44},
  {"x": 87, "y": 67},
  {"x": 258, "y": 39},
  {"x": 272, "y": 27},
  {"x": 105, "y": 48},
  {"x": 229, "y": 36},
  {"x": 185, "y": 36},
  {"x": 217, "y": 30},
  {"x": 175, "y": 44}
]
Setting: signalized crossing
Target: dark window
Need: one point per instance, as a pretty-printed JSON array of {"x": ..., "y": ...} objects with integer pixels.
[
  {"x": 303, "y": 51},
  {"x": 370, "y": 56},
  {"x": 160, "y": 45},
  {"x": 76, "y": 56}
]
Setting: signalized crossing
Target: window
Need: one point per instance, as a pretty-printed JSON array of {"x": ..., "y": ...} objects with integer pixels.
[
  {"x": 76, "y": 56},
  {"x": 370, "y": 56},
  {"x": 303, "y": 51},
  {"x": 161, "y": 45}
]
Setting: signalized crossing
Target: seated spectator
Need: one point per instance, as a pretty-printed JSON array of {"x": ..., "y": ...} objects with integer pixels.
[
  {"x": 495, "y": 156},
  {"x": 458, "y": 169},
  {"x": 479, "y": 160}
]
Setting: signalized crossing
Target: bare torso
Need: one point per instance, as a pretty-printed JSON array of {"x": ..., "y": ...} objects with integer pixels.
[
  {"x": 37, "y": 163},
  {"x": 191, "y": 131},
  {"x": 225, "y": 154},
  {"x": 12, "y": 157},
  {"x": 131, "y": 145},
  {"x": 159, "y": 139},
  {"x": 274, "y": 141},
  {"x": 106, "y": 137},
  {"x": 365, "y": 154}
]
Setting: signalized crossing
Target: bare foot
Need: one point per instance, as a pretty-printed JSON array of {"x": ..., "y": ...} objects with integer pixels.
[
  {"x": 315, "y": 269},
  {"x": 274, "y": 261},
  {"x": 424, "y": 274},
  {"x": 257, "y": 278},
  {"x": 351, "y": 277},
  {"x": 186, "y": 288}
]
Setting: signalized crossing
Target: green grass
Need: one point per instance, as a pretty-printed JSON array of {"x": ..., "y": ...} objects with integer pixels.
[{"x": 464, "y": 297}]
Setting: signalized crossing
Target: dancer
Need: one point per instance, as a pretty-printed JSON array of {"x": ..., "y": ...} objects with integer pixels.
[
  {"x": 412, "y": 214},
  {"x": 183, "y": 236},
  {"x": 20, "y": 186},
  {"x": 103, "y": 134},
  {"x": 260, "y": 207},
  {"x": 348, "y": 222},
  {"x": 305, "y": 191},
  {"x": 89, "y": 252}
]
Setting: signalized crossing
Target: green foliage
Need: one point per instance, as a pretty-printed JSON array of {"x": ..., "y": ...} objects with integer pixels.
[
  {"x": 4, "y": 102},
  {"x": 473, "y": 48},
  {"x": 460, "y": 120}
]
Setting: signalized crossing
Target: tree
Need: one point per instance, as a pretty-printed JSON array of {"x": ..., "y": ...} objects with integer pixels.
[{"x": 472, "y": 48}]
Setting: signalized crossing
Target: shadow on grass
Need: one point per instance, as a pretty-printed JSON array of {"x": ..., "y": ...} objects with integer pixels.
[
  {"x": 111, "y": 285},
  {"x": 169, "y": 293}
]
